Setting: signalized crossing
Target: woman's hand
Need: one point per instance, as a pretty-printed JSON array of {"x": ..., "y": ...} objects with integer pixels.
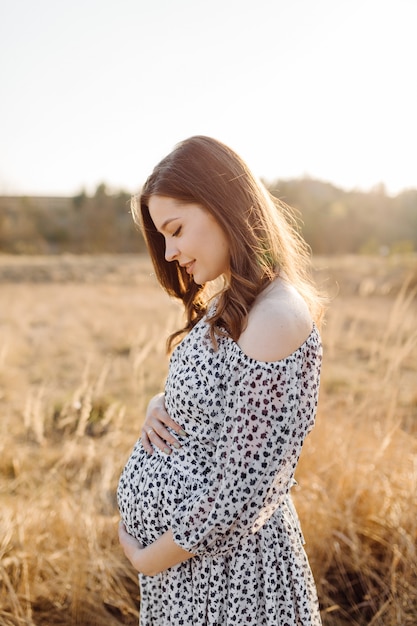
[
  {"x": 131, "y": 546},
  {"x": 155, "y": 558},
  {"x": 154, "y": 429}
]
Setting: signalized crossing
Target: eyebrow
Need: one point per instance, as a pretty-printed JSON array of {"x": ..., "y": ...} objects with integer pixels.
[{"x": 168, "y": 221}]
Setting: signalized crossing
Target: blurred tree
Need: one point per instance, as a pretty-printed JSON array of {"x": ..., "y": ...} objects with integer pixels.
[
  {"x": 101, "y": 192},
  {"x": 337, "y": 221},
  {"x": 80, "y": 199},
  {"x": 333, "y": 220}
]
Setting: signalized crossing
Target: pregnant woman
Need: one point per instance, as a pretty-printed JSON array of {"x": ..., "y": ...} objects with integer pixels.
[{"x": 207, "y": 516}]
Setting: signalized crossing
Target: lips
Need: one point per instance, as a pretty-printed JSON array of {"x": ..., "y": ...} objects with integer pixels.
[{"x": 188, "y": 267}]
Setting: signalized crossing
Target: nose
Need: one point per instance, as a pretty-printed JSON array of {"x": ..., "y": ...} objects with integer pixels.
[{"x": 171, "y": 251}]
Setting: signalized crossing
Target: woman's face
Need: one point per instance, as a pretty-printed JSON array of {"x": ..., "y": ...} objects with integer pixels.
[{"x": 193, "y": 238}]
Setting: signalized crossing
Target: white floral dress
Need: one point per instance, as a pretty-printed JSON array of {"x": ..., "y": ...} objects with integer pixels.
[{"x": 225, "y": 493}]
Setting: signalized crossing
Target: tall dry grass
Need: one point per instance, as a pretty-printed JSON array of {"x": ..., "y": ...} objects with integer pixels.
[
  {"x": 81, "y": 351},
  {"x": 359, "y": 468}
]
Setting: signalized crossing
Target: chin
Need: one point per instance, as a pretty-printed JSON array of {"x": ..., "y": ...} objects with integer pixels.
[{"x": 202, "y": 279}]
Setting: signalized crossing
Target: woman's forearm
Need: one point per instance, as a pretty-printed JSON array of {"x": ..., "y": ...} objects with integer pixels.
[{"x": 162, "y": 554}]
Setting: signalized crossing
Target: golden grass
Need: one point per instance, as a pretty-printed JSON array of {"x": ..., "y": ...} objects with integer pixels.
[{"x": 81, "y": 351}]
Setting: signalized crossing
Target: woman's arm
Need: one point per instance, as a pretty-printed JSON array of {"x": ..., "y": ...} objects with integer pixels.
[
  {"x": 164, "y": 552},
  {"x": 268, "y": 407},
  {"x": 155, "y": 558}
]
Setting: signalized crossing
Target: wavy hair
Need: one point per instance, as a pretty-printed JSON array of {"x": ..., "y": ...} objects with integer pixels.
[{"x": 262, "y": 231}]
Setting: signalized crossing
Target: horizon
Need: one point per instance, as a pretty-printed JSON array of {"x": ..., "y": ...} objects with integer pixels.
[{"x": 114, "y": 191}]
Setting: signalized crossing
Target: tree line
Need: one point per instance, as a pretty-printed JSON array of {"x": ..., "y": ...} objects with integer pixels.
[{"x": 332, "y": 220}]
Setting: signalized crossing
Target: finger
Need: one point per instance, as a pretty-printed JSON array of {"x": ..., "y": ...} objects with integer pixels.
[
  {"x": 158, "y": 441},
  {"x": 162, "y": 433},
  {"x": 146, "y": 444},
  {"x": 122, "y": 532},
  {"x": 165, "y": 434}
]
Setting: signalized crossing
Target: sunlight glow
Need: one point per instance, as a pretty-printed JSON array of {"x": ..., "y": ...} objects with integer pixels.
[{"x": 95, "y": 92}]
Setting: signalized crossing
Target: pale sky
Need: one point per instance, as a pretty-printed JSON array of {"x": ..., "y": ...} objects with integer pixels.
[{"x": 100, "y": 90}]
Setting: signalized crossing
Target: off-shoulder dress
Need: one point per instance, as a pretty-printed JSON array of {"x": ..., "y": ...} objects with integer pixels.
[{"x": 225, "y": 492}]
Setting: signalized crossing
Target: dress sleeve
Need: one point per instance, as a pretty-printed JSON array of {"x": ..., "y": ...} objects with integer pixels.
[{"x": 268, "y": 409}]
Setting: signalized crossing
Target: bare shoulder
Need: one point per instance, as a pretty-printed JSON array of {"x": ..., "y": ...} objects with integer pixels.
[{"x": 278, "y": 323}]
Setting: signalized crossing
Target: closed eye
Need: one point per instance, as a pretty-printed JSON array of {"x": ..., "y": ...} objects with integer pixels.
[{"x": 177, "y": 232}]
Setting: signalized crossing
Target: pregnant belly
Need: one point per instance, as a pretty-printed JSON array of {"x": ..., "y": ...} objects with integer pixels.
[{"x": 149, "y": 490}]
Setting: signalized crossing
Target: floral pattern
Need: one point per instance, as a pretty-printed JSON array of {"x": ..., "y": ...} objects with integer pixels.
[{"x": 225, "y": 492}]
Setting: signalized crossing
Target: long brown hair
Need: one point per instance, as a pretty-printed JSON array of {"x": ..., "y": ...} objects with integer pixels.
[{"x": 262, "y": 232}]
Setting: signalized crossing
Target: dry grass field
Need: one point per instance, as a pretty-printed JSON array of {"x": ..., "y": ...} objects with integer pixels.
[{"x": 82, "y": 349}]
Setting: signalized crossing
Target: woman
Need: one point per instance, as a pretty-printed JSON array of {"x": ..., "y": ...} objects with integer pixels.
[{"x": 208, "y": 520}]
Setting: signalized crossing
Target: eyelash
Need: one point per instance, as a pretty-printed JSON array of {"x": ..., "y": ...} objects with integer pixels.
[{"x": 177, "y": 232}]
